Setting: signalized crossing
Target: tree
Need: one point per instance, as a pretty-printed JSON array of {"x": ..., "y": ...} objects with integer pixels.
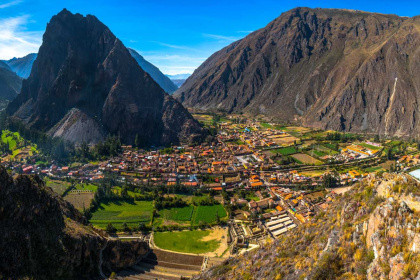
[
  {"x": 137, "y": 141},
  {"x": 390, "y": 154},
  {"x": 126, "y": 228},
  {"x": 329, "y": 266},
  {"x": 330, "y": 181},
  {"x": 142, "y": 227},
  {"x": 110, "y": 228}
]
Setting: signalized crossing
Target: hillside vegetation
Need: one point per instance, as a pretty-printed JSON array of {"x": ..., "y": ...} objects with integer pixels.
[{"x": 372, "y": 232}]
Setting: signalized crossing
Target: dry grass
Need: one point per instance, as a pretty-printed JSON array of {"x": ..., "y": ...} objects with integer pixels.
[
  {"x": 80, "y": 200},
  {"x": 306, "y": 159}
]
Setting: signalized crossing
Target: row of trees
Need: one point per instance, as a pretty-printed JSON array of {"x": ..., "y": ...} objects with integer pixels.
[
  {"x": 162, "y": 202},
  {"x": 58, "y": 149}
]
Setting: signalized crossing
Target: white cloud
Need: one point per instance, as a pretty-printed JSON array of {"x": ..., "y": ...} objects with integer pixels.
[
  {"x": 15, "y": 40},
  {"x": 221, "y": 37},
  {"x": 9, "y": 4},
  {"x": 178, "y": 47}
]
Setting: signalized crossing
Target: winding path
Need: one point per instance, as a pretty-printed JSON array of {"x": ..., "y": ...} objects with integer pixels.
[{"x": 101, "y": 260}]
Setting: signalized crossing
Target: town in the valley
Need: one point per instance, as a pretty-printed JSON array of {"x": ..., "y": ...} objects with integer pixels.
[{"x": 252, "y": 182}]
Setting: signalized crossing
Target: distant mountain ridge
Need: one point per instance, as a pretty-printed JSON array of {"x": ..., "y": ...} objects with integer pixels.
[
  {"x": 10, "y": 83},
  {"x": 165, "y": 83},
  {"x": 22, "y": 66},
  {"x": 85, "y": 85},
  {"x": 324, "y": 68},
  {"x": 179, "y": 79}
]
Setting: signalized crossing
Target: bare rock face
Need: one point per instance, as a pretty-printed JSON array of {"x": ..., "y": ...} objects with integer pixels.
[
  {"x": 82, "y": 66},
  {"x": 76, "y": 126},
  {"x": 44, "y": 237},
  {"x": 326, "y": 68}
]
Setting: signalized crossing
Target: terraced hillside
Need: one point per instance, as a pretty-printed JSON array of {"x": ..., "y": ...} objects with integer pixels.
[{"x": 159, "y": 264}]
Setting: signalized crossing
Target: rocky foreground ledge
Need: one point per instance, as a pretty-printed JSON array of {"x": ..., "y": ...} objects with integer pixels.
[
  {"x": 371, "y": 232},
  {"x": 44, "y": 237}
]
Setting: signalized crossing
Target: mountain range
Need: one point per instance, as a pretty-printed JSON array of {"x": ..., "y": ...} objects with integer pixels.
[
  {"x": 178, "y": 79},
  {"x": 165, "y": 83},
  {"x": 324, "y": 68},
  {"x": 22, "y": 66},
  {"x": 10, "y": 83},
  {"x": 85, "y": 85}
]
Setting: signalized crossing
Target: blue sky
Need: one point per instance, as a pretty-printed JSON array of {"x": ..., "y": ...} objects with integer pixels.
[{"x": 176, "y": 36}]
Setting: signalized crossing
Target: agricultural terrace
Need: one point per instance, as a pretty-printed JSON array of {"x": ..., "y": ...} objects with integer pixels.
[
  {"x": 209, "y": 214},
  {"x": 14, "y": 145},
  {"x": 80, "y": 201},
  {"x": 120, "y": 212},
  {"x": 58, "y": 186}
]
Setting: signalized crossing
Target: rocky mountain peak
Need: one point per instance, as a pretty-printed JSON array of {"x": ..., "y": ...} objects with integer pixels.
[
  {"x": 82, "y": 66},
  {"x": 324, "y": 68}
]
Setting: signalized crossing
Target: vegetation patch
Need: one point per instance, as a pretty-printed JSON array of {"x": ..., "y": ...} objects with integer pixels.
[
  {"x": 186, "y": 241},
  {"x": 209, "y": 214},
  {"x": 120, "y": 212},
  {"x": 306, "y": 159},
  {"x": 58, "y": 186},
  {"x": 177, "y": 213},
  {"x": 285, "y": 151}
]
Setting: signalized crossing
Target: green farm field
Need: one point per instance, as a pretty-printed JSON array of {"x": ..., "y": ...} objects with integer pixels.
[
  {"x": 285, "y": 151},
  {"x": 177, "y": 214},
  {"x": 57, "y": 186},
  {"x": 208, "y": 214},
  {"x": 86, "y": 187},
  {"x": 118, "y": 213},
  {"x": 186, "y": 241}
]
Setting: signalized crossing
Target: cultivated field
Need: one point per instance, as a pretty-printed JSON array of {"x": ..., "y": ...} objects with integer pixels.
[
  {"x": 208, "y": 214},
  {"x": 284, "y": 151},
  {"x": 118, "y": 213},
  {"x": 58, "y": 186},
  {"x": 177, "y": 214},
  {"x": 283, "y": 140},
  {"x": 306, "y": 159},
  {"x": 86, "y": 187},
  {"x": 80, "y": 200}
]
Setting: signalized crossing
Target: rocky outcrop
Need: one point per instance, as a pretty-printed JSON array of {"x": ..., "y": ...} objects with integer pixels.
[
  {"x": 361, "y": 235},
  {"x": 82, "y": 66},
  {"x": 325, "y": 68},
  {"x": 164, "y": 82},
  {"x": 77, "y": 126},
  {"x": 44, "y": 237}
]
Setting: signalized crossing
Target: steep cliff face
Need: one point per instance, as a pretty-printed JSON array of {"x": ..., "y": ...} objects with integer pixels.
[
  {"x": 44, "y": 237},
  {"x": 369, "y": 233},
  {"x": 82, "y": 66},
  {"x": 326, "y": 68},
  {"x": 164, "y": 82}
]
